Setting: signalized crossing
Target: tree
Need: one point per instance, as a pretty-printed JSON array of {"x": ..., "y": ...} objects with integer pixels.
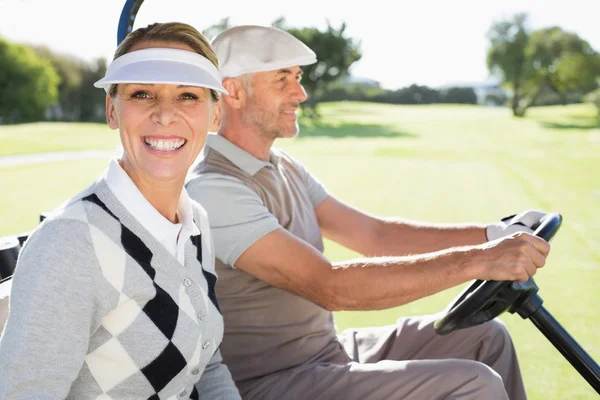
[
  {"x": 217, "y": 28},
  {"x": 594, "y": 98},
  {"x": 413, "y": 94},
  {"x": 28, "y": 83},
  {"x": 352, "y": 91},
  {"x": 459, "y": 95},
  {"x": 507, "y": 56},
  {"x": 70, "y": 70},
  {"x": 495, "y": 99},
  {"x": 533, "y": 63},
  {"x": 563, "y": 62},
  {"x": 78, "y": 99},
  {"x": 335, "y": 54},
  {"x": 91, "y": 99}
]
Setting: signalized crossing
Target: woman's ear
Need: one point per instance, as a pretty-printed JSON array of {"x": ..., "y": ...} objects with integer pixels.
[
  {"x": 215, "y": 119},
  {"x": 111, "y": 113}
]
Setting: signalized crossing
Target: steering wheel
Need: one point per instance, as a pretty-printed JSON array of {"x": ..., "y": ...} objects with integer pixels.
[{"x": 483, "y": 301}]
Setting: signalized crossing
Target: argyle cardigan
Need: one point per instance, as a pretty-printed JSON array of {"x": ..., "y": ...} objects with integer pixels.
[{"x": 99, "y": 309}]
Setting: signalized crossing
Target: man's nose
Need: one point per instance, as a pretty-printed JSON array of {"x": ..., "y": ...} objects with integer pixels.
[{"x": 299, "y": 94}]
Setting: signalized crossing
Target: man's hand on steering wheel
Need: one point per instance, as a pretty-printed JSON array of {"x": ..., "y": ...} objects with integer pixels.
[
  {"x": 496, "y": 265},
  {"x": 510, "y": 258},
  {"x": 527, "y": 221}
]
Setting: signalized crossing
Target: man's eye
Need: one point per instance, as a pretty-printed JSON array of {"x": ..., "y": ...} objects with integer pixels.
[
  {"x": 189, "y": 96},
  {"x": 140, "y": 95}
]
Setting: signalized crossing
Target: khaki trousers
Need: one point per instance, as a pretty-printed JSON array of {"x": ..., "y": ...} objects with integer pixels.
[{"x": 406, "y": 361}]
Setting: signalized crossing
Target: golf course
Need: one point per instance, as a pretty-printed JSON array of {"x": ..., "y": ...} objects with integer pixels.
[{"x": 442, "y": 163}]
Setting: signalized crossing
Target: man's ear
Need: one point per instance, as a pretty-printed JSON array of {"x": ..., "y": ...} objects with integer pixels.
[
  {"x": 237, "y": 94},
  {"x": 111, "y": 113},
  {"x": 215, "y": 121}
]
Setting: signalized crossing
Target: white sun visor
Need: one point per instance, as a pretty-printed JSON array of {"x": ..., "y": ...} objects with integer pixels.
[{"x": 163, "y": 66}]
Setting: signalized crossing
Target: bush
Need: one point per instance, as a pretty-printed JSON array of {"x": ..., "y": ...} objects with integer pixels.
[
  {"x": 341, "y": 91},
  {"x": 459, "y": 95},
  {"x": 413, "y": 94}
]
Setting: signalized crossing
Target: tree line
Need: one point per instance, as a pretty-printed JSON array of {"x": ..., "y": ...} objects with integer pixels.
[
  {"x": 39, "y": 84},
  {"x": 536, "y": 67}
]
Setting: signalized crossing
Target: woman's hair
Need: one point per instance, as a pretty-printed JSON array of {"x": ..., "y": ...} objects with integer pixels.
[{"x": 174, "y": 32}]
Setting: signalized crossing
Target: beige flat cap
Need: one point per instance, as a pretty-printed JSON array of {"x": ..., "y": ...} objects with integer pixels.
[{"x": 252, "y": 48}]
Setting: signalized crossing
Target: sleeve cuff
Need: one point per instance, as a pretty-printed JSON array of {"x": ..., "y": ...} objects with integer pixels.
[
  {"x": 319, "y": 198},
  {"x": 268, "y": 226}
]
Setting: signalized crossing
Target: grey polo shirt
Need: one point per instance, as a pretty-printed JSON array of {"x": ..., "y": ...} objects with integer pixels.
[{"x": 266, "y": 329}]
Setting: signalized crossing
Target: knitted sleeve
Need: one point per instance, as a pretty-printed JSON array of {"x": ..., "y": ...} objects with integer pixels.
[{"x": 52, "y": 311}]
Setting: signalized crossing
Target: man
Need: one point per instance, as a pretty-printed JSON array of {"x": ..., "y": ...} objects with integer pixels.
[{"x": 277, "y": 290}]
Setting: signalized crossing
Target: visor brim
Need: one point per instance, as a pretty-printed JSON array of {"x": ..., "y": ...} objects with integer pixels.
[{"x": 161, "y": 72}]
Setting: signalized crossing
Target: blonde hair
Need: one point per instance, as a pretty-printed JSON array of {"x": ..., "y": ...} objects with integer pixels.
[{"x": 174, "y": 32}]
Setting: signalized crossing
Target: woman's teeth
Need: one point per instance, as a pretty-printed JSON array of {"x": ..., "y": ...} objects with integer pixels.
[{"x": 164, "y": 145}]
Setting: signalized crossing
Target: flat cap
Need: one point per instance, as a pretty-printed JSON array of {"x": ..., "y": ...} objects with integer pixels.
[{"x": 252, "y": 48}]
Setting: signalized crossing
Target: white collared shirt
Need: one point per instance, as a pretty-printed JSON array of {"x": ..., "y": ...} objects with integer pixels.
[{"x": 172, "y": 236}]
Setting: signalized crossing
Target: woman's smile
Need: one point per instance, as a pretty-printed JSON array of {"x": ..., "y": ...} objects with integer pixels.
[{"x": 164, "y": 145}]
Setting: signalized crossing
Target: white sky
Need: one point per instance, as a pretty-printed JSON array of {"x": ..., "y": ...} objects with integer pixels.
[{"x": 429, "y": 42}]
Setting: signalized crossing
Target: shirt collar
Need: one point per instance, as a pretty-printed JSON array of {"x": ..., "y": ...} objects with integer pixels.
[
  {"x": 186, "y": 214},
  {"x": 140, "y": 208},
  {"x": 240, "y": 157}
]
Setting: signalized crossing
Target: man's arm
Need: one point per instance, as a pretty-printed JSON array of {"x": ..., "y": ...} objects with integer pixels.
[
  {"x": 249, "y": 237},
  {"x": 373, "y": 236},
  {"x": 384, "y": 282}
]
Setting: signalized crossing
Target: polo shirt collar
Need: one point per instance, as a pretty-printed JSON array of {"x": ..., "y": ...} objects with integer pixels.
[
  {"x": 140, "y": 208},
  {"x": 240, "y": 157}
]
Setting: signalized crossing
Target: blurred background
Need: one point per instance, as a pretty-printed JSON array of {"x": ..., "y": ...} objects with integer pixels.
[{"x": 433, "y": 110}]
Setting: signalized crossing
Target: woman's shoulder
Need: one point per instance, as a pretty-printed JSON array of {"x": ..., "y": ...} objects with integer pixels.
[
  {"x": 73, "y": 206},
  {"x": 65, "y": 245},
  {"x": 67, "y": 223},
  {"x": 58, "y": 247}
]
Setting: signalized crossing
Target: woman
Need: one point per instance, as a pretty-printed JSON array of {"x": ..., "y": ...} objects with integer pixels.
[{"x": 113, "y": 295}]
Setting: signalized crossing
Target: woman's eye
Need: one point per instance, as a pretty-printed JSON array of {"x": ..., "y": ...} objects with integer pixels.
[{"x": 140, "y": 95}]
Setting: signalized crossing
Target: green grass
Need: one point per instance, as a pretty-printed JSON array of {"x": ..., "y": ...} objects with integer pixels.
[
  {"x": 48, "y": 137},
  {"x": 438, "y": 163},
  {"x": 31, "y": 189}
]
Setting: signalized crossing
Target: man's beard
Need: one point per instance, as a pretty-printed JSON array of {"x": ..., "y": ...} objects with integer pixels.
[{"x": 269, "y": 123}]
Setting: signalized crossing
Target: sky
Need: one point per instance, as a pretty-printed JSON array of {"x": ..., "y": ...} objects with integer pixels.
[{"x": 427, "y": 42}]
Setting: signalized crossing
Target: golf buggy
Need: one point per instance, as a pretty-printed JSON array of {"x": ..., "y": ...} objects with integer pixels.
[{"x": 478, "y": 303}]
